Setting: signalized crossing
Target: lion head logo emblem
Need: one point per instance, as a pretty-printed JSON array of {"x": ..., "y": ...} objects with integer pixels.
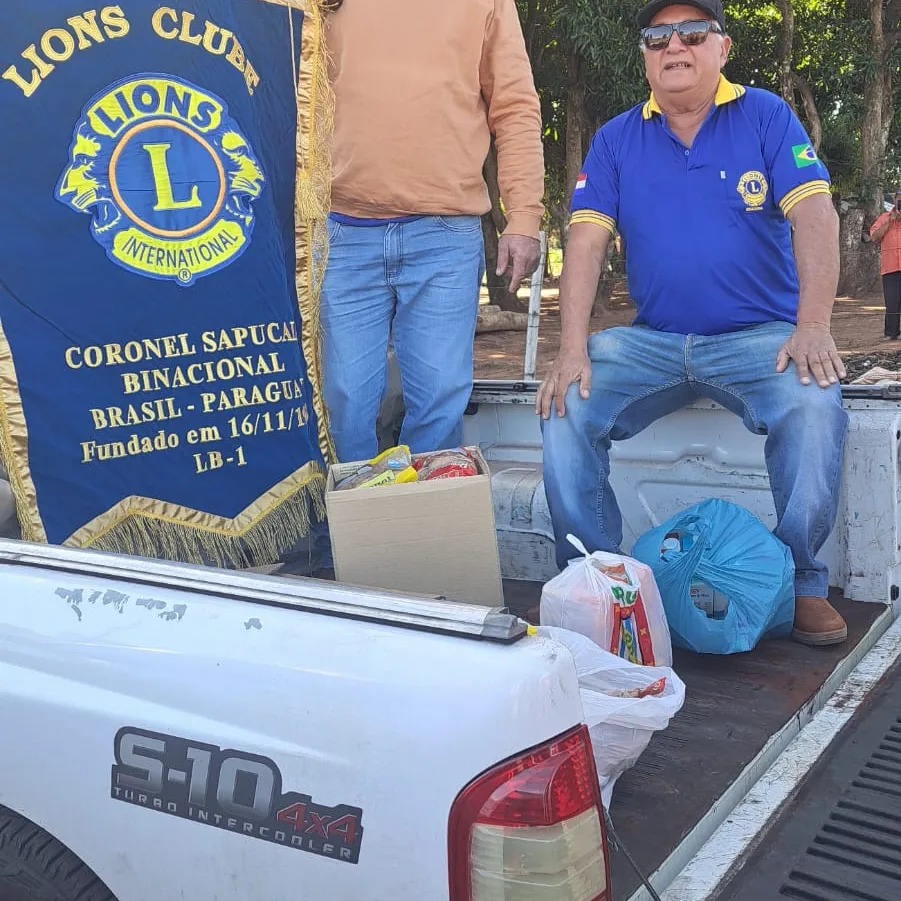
[
  {"x": 81, "y": 188},
  {"x": 753, "y": 187},
  {"x": 168, "y": 178},
  {"x": 245, "y": 177}
]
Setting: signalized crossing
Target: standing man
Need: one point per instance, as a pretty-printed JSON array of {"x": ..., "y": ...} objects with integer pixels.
[
  {"x": 420, "y": 89},
  {"x": 886, "y": 232},
  {"x": 704, "y": 182}
]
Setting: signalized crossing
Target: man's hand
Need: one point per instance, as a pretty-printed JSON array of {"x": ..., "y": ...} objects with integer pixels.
[
  {"x": 586, "y": 252},
  {"x": 569, "y": 367},
  {"x": 517, "y": 256},
  {"x": 814, "y": 353},
  {"x": 896, "y": 215}
]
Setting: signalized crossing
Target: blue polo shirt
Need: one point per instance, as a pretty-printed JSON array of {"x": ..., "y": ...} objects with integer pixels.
[{"x": 708, "y": 246}]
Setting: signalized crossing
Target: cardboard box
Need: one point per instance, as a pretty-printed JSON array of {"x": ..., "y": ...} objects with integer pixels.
[{"x": 432, "y": 538}]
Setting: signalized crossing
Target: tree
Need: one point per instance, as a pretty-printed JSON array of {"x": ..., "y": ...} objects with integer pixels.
[
  {"x": 836, "y": 61},
  {"x": 859, "y": 267}
]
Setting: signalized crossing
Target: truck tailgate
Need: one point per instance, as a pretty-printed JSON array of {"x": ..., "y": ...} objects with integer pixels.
[{"x": 364, "y": 724}]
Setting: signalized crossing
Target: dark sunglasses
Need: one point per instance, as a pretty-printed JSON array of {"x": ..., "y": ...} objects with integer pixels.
[{"x": 657, "y": 37}]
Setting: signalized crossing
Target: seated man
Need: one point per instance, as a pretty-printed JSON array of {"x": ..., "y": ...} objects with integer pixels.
[{"x": 705, "y": 183}]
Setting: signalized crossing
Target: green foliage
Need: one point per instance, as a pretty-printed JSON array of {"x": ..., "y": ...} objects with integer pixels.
[
  {"x": 599, "y": 37},
  {"x": 605, "y": 37}
]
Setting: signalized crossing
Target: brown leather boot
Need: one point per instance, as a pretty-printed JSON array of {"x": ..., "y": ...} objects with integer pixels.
[{"x": 818, "y": 623}]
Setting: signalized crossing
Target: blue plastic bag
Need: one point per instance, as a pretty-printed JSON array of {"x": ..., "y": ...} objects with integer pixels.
[{"x": 730, "y": 550}]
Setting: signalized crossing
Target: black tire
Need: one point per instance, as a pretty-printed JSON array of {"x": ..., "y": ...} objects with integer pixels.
[{"x": 34, "y": 866}]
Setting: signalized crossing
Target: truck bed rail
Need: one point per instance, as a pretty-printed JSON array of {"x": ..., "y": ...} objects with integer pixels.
[{"x": 311, "y": 595}]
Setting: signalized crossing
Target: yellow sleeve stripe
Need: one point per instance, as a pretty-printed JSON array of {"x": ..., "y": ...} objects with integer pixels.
[
  {"x": 595, "y": 218},
  {"x": 808, "y": 189}
]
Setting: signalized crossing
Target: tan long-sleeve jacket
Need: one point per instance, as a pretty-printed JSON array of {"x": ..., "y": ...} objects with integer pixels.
[{"x": 420, "y": 86}]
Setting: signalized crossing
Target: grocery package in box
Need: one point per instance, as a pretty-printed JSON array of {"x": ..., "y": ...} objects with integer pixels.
[{"x": 430, "y": 531}]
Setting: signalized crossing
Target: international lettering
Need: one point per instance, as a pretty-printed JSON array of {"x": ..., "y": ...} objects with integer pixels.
[
  {"x": 180, "y": 259},
  {"x": 174, "y": 257}
]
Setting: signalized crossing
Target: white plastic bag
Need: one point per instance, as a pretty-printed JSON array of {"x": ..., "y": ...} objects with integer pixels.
[
  {"x": 620, "y": 727},
  {"x": 620, "y": 609}
]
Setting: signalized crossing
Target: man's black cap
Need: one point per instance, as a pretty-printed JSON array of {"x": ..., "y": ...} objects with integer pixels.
[{"x": 713, "y": 8}]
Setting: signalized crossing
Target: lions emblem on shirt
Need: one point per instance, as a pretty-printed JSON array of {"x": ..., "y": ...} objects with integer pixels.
[
  {"x": 753, "y": 187},
  {"x": 167, "y": 177}
]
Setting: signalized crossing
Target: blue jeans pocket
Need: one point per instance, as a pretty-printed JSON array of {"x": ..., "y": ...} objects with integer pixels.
[
  {"x": 459, "y": 223},
  {"x": 334, "y": 230}
]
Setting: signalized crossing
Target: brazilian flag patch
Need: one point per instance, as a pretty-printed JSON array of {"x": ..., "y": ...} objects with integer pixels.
[{"x": 804, "y": 155}]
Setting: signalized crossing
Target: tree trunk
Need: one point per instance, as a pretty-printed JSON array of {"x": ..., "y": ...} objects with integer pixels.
[
  {"x": 784, "y": 52},
  {"x": 872, "y": 146},
  {"x": 811, "y": 113},
  {"x": 575, "y": 134},
  {"x": 859, "y": 260},
  {"x": 501, "y": 321},
  {"x": 497, "y": 284},
  {"x": 493, "y": 224},
  {"x": 575, "y": 123},
  {"x": 604, "y": 291},
  {"x": 791, "y": 82},
  {"x": 559, "y": 216}
]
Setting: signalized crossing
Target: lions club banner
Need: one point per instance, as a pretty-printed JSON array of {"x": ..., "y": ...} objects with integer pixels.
[{"x": 165, "y": 187}]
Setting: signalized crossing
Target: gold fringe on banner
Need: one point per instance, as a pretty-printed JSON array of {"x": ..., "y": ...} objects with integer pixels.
[
  {"x": 14, "y": 447},
  {"x": 270, "y": 525},
  {"x": 315, "y": 119},
  {"x": 154, "y": 529}
]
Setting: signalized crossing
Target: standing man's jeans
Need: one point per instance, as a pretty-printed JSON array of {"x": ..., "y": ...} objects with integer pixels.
[
  {"x": 639, "y": 375},
  {"x": 420, "y": 279}
]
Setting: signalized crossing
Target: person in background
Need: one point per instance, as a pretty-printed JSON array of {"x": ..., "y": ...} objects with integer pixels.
[
  {"x": 705, "y": 182},
  {"x": 420, "y": 89},
  {"x": 886, "y": 232}
]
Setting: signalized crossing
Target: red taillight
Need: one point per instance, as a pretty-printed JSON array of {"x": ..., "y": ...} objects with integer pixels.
[{"x": 531, "y": 829}]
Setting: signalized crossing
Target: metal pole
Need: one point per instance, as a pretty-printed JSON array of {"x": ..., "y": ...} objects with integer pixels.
[{"x": 531, "y": 357}]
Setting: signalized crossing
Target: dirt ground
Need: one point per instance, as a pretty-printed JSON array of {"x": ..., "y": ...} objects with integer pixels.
[{"x": 857, "y": 324}]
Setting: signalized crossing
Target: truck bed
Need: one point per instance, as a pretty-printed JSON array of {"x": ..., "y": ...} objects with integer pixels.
[{"x": 739, "y": 712}]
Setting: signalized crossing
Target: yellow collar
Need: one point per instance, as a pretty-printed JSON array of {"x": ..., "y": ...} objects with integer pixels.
[{"x": 726, "y": 92}]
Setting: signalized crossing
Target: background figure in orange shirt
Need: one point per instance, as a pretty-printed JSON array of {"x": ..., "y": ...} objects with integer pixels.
[
  {"x": 421, "y": 86},
  {"x": 886, "y": 232}
]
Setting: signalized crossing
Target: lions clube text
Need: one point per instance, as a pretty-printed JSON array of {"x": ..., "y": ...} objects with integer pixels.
[{"x": 58, "y": 45}]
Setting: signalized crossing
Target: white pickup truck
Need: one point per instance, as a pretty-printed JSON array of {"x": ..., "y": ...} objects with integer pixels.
[{"x": 179, "y": 732}]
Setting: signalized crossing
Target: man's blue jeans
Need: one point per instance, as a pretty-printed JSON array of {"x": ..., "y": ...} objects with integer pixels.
[
  {"x": 639, "y": 375},
  {"x": 419, "y": 280}
]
